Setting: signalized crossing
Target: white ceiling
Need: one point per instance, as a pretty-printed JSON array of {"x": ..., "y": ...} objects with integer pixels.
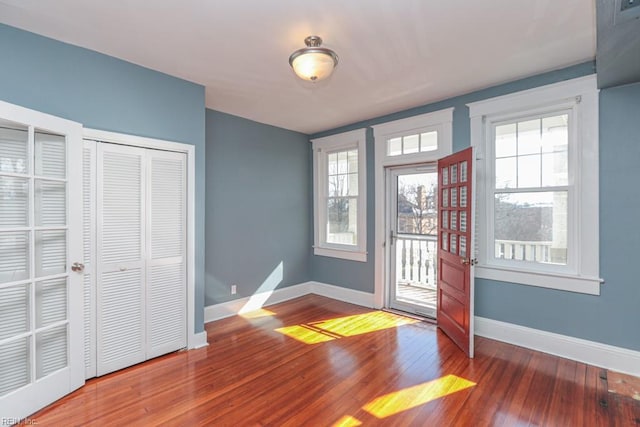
[{"x": 394, "y": 54}]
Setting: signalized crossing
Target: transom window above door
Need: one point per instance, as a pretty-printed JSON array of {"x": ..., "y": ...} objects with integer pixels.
[{"x": 417, "y": 139}]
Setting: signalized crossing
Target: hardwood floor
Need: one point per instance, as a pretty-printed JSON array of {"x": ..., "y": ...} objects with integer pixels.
[{"x": 314, "y": 361}]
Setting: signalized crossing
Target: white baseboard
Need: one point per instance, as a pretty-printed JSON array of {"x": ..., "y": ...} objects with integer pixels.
[
  {"x": 596, "y": 354},
  {"x": 254, "y": 302},
  {"x": 364, "y": 299},
  {"x": 198, "y": 340},
  {"x": 231, "y": 308}
]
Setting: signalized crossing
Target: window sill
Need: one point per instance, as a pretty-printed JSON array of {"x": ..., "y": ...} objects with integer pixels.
[
  {"x": 341, "y": 253},
  {"x": 563, "y": 282}
]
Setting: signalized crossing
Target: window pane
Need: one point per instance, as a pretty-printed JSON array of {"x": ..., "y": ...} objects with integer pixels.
[
  {"x": 531, "y": 227},
  {"x": 416, "y": 202},
  {"x": 411, "y": 144},
  {"x": 429, "y": 141},
  {"x": 337, "y": 185},
  {"x": 51, "y": 351},
  {"x": 14, "y": 310},
  {"x": 332, "y": 162},
  {"x": 14, "y": 256},
  {"x": 342, "y": 162},
  {"x": 342, "y": 214},
  {"x": 51, "y": 301},
  {"x": 51, "y": 252},
  {"x": 529, "y": 171},
  {"x": 13, "y": 150},
  {"x": 50, "y": 155},
  {"x": 15, "y": 367},
  {"x": 506, "y": 140},
  {"x": 353, "y": 184},
  {"x": 463, "y": 171},
  {"x": 50, "y": 203},
  {"x": 529, "y": 137},
  {"x": 14, "y": 202},
  {"x": 506, "y": 172},
  {"x": 394, "y": 146},
  {"x": 353, "y": 161},
  {"x": 555, "y": 169},
  {"x": 555, "y": 133}
]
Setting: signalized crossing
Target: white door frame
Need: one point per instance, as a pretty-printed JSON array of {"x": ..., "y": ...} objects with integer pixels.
[
  {"x": 391, "y": 196},
  {"x": 193, "y": 340},
  {"x": 443, "y": 120}
]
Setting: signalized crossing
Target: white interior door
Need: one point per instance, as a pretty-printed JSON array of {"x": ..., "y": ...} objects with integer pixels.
[
  {"x": 41, "y": 317},
  {"x": 120, "y": 271}
]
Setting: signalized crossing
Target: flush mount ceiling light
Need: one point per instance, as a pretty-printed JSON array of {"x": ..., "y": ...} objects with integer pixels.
[{"x": 313, "y": 63}]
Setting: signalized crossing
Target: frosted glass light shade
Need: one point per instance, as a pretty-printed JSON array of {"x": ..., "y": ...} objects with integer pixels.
[
  {"x": 313, "y": 66},
  {"x": 313, "y": 63}
]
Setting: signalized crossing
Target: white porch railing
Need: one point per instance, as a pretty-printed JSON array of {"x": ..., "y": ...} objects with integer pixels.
[
  {"x": 416, "y": 260},
  {"x": 523, "y": 251}
]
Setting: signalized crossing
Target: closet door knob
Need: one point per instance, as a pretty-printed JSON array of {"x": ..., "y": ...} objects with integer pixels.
[{"x": 78, "y": 267}]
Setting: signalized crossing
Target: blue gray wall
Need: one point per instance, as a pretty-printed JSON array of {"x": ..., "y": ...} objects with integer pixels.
[
  {"x": 610, "y": 318},
  {"x": 258, "y": 207},
  {"x": 105, "y": 93}
]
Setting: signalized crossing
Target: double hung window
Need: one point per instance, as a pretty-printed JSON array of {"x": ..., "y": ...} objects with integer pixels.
[
  {"x": 340, "y": 195},
  {"x": 538, "y": 186}
]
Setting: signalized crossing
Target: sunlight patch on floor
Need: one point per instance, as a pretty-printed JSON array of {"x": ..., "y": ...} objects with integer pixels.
[
  {"x": 347, "y": 421},
  {"x": 306, "y": 334},
  {"x": 411, "y": 397},
  {"x": 340, "y": 327},
  {"x": 262, "y": 312}
]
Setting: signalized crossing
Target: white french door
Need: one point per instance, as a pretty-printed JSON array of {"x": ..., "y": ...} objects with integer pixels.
[
  {"x": 41, "y": 316},
  {"x": 413, "y": 229}
]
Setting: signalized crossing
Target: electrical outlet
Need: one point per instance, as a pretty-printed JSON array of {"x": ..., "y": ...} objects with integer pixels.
[{"x": 234, "y": 289}]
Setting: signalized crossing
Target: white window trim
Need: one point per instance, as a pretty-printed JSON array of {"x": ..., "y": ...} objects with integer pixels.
[
  {"x": 443, "y": 119},
  {"x": 353, "y": 139},
  {"x": 581, "y": 96},
  {"x": 440, "y": 121}
]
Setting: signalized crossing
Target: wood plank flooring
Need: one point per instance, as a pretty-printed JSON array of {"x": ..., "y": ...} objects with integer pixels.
[{"x": 314, "y": 361}]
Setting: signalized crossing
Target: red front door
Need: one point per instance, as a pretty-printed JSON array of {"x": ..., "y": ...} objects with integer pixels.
[{"x": 455, "y": 248}]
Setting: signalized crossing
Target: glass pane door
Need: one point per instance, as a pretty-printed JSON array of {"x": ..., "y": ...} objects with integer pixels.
[
  {"x": 35, "y": 283},
  {"x": 414, "y": 227}
]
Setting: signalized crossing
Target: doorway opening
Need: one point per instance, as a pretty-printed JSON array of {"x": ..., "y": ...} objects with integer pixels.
[{"x": 413, "y": 230}]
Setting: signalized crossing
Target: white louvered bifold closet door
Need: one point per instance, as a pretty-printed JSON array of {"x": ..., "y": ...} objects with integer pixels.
[
  {"x": 121, "y": 255},
  {"x": 40, "y": 238},
  {"x": 166, "y": 252}
]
